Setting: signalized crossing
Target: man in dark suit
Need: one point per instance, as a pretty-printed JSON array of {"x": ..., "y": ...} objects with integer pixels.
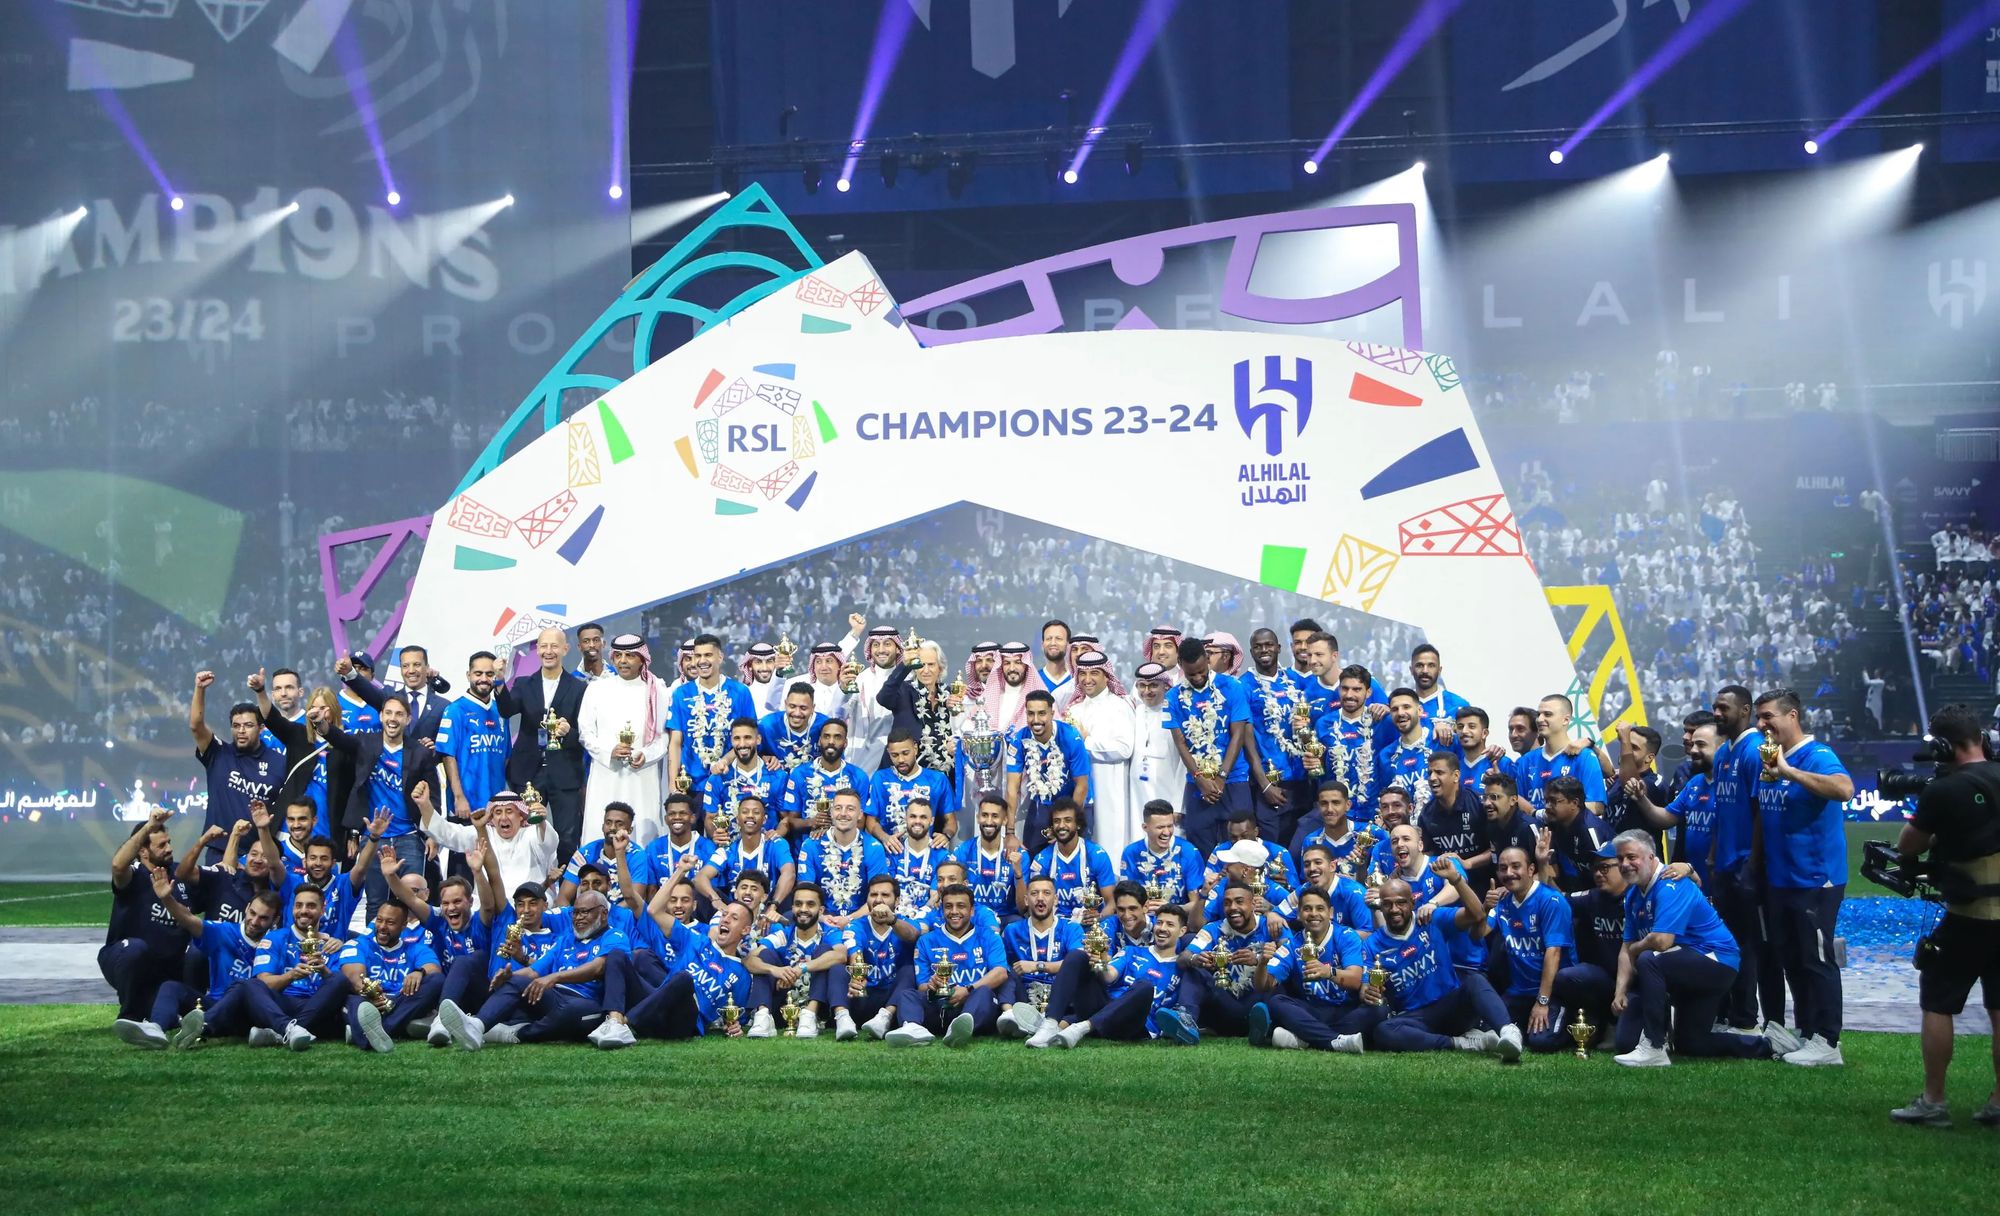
[
  {"x": 423, "y": 691},
  {"x": 388, "y": 764},
  {"x": 551, "y": 759}
]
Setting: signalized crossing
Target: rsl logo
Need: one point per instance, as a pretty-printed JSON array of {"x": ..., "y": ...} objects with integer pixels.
[
  {"x": 1274, "y": 403},
  {"x": 755, "y": 439}
]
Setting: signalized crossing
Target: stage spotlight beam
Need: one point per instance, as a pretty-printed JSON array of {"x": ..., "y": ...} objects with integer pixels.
[
  {"x": 1707, "y": 19},
  {"x": 649, "y": 222},
  {"x": 1421, "y": 28},
  {"x": 1963, "y": 31},
  {"x": 892, "y": 29},
  {"x": 1153, "y": 18}
]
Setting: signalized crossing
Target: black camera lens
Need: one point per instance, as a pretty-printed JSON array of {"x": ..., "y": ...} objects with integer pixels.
[{"x": 1897, "y": 783}]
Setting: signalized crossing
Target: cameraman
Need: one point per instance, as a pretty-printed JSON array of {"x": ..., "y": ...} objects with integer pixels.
[{"x": 1958, "y": 821}]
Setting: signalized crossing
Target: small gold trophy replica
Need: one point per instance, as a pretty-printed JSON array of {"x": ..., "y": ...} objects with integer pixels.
[
  {"x": 371, "y": 991},
  {"x": 312, "y": 951},
  {"x": 731, "y": 1014},
  {"x": 1218, "y": 956},
  {"x": 1770, "y": 754},
  {"x": 850, "y": 676},
  {"x": 626, "y": 736},
  {"x": 512, "y": 945},
  {"x": 1308, "y": 951},
  {"x": 911, "y": 642},
  {"x": 795, "y": 1004},
  {"x": 941, "y": 976},
  {"x": 957, "y": 687},
  {"x": 1097, "y": 943},
  {"x": 549, "y": 721},
  {"x": 857, "y": 974},
  {"x": 1378, "y": 976},
  {"x": 785, "y": 652},
  {"x": 1580, "y": 1032}
]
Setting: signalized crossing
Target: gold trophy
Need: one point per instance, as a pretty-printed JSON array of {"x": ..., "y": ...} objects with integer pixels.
[
  {"x": 1770, "y": 753},
  {"x": 911, "y": 642},
  {"x": 850, "y": 676},
  {"x": 1378, "y": 976},
  {"x": 312, "y": 951},
  {"x": 1156, "y": 889},
  {"x": 1580, "y": 1032},
  {"x": 731, "y": 1014},
  {"x": 529, "y": 794},
  {"x": 1274, "y": 871},
  {"x": 956, "y": 688},
  {"x": 857, "y": 975},
  {"x": 371, "y": 991},
  {"x": 822, "y": 818},
  {"x": 1097, "y": 943},
  {"x": 941, "y": 977},
  {"x": 682, "y": 782},
  {"x": 549, "y": 721},
  {"x": 785, "y": 652},
  {"x": 795, "y": 1000},
  {"x": 1315, "y": 753},
  {"x": 1308, "y": 952},
  {"x": 626, "y": 737},
  {"x": 512, "y": 945},
  {"x": 1218, "y": 956}
]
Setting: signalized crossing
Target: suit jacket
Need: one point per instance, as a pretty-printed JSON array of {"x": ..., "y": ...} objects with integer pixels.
[
  {"x": 299, "y": 766},
  {"x": 424, "y": 726},
  {"x": 561, "y": 769},
  {"x": 420, "y": 763}
]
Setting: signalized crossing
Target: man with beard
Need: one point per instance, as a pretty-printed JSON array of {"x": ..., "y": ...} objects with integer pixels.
[
  {"x": 1349, "y": 736},
  {"x": 1004, "y": 696},
  {"x": 1157, "y": 772},
  {"x": 1435, "y": 1006},
  {"x": 459, "y": 933},
  {"x": 1323, "y": 652},
  {"x": 392, "y": 979},
  {"x": 758, "y": 672},
  {"x": 1693, "y": 808},
  {"x": 1405, "y": 761},
  {"x": 1506, "y": 825},
  {"x": 678, "y": 852},
  {"x": 231, "y": 954},
  {"x": 915, "y": 865},
  {"x": 992, "y": 860},
  {"x": 1318, "y": 1003},
  {"x": 1275, "y": 699},
  {"x": 1037, "y": 947},
  {"x": 604, "y": 854},
  {"x": 1454, "y": 821},
  {"x": 1347, "y": 899},
  {"x": 290, "y": 991},
  {"x": 1055, "y": 671},
  {"x": 1633, "y": 779},
  {"x": 1104, "y": 721},
  {"x": 1480, "y": 756},
  {"x": 553, "y": 998},
  {"x": 1736, "y": 769},
  {"x": 1046, "y": 760},
  {"x": 803, "y": 951},
  {"x": 899, "y": 783},
  {"x": 965, "y": 1003},
  {"x": 144, "y": 943},
  {"x": 388, "y": 766},
  {"x": 916, "y": 697},
  {"x": 1080, "y": 868},
  {"x": 752, "y": 852},
  {"x": 1163, "y": 646},
  {"x": 1538, "y": 934},
  {"x": 869, "y": 721},
  {"x": 841, "y": 861},
  {"x": 590, "y": 649},
  {"x": 704, "y": 711},
  {"x": 744, "y": 775},
  {"x": 1210, "y": 719},
  {"x": 238, "y": 768},
  {"x": 791, "y": 735},
  {"x": 1167, "y": 867},
  {"x": 625, "y": 723},
  {"x": 707, "y": 977},
  {"x": 810, "y": 789},
  {"x": 1302, "y": 633},
  {"x": 1440, "y": 706},
  {"x": 472, "y": 741},
  {"x": 1220, "y": 995},
  {"x": 549, "y": 757}
]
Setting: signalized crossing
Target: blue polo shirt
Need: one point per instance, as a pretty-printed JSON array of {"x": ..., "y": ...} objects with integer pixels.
[
  {"x": 1530, "y": 927},
  {"x": 1695, "y": 805},
  {"x": 722, "y": 791},
  {"x": 231, "y": 956},
  {"x": 1138, "y": 964},
  {"x": 842, "y": 873},
  {"x": 1676, "y": 907},
  {"x": 809, "y": 783},
  {"x": 991, "y": 877},
  {"x": 1212, "y": 712},
  {"x": 1079, "y": 876},
  {"x": 389, "y": 966},
  {"x": 1179, "y": 870},
  {"x": 571, "y": 951},
  {"x": 1805, "y": 836},
  {"x": 1736, "y": 768},
  {"x": 1048, "y": 770},
  {"x": 791, "y": 749},
  {"x": 475, "y": 737},
  {"x": 1418, "y": 964}
]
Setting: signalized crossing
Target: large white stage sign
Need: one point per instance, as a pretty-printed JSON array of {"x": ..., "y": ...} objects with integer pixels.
[{"x": 1342, "y": 470}]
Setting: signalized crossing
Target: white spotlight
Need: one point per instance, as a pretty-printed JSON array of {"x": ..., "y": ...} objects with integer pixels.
[
  {"x": 1311, "y": 167},
  {"x": 1812, "y": 147},
  {"x": 80, "y": 212},
  {"x": 617, "y": 191},
  {"x": 1917, "y": 149},
  {"x": 1419, "y": 166},
  {"x": 395, "y": 198},
  {"x": 1069, "y": 177},
  {"x": 290, "y": 208},
  {"x": 1555, "y": 156},
  {"x": 843, "y": 185},
  {"x": 507, "y": 200},
  {"x": 177, "y": 202}
]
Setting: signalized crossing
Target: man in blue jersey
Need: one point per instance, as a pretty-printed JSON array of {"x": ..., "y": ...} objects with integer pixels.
[
  {"x": 842, "y": 862},
  {"x": 1046, "y": 761},
  {"x": 604, "y": 853},
  {"x": 1404, "y": 762},
  {"x": 703, "y": 709},
  {"x": 896, "y": 784},
  {"x": 394, "y": 979},
  {"x": 1440, "y": 705},
  {"x": 994, "y": 860},
  {"x": 1536, "y": 930},
  {"x": 339, "y": 892},
  {"x": 1801, "y": 794},
  {"x": 1578, "y": 834},
  {"x": 878, "y": 960},
  {"x": 752, "y": 850},
  {"x": 1167, "y": 867},
  {"x": 231, "y": 952},
  {"x": 678, "y": 852},
  {"x": 791, "y": 735},
  {"x": 806, "y": 952},
  {"x": 472, "y": 743},
  {"x": 1227, "y": 966},
  {"x": 810, "y": 789},
  {"x": 1435, "y": 1006},
  {"x": 1037, "y": 948},
  {"x": 704, "y": 991},
  {"x": 239, "y": 768},
  {"x": 459, "y": 933},
  {"x": 1351, "y": 733},
  {"x": 553, "y": 998},
  {"x": 1318, "y": 1002},
  {"x": 292, "y": 990},
  {"x": 1737, "y": 768},
  {"x": 1276, "y": 705},
  {"x": 1081, "y": 869},
  {"x": 1692, "y": 808},
  {"x": 1561, "y": 755},
  {"x": 1677, "y": 966},
  {"x": 1209, "y": 718},
  {"x": 1142, "y": 982},
  {"x": 745, "y": 775},
  {"x": 915, "y": 866},
  {"x": 959, "y": 970},
  {"x": 1480, "y": 755},
  {"x": 387, "y": 765},
  {"x": 1346, "y": 897}
]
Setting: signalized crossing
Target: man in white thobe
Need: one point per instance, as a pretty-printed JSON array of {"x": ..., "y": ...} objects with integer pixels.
[
  {"x": 868, "y": 721},
  {"x": 1106, "y": 722},
  {"x": 1157, "y": 770},
  {"x": 632, "y": 706}
]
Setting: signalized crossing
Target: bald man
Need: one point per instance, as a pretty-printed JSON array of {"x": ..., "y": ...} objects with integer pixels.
[{"x": 548, "y": 751}]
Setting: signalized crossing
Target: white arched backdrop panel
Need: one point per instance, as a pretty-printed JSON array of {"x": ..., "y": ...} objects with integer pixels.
[{"x": 1350, "y": 472}]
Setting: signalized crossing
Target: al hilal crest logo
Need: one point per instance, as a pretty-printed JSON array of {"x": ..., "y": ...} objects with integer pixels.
[
  {"x": 755, "y": 438},
  {"x": 1276, "y": 411}
]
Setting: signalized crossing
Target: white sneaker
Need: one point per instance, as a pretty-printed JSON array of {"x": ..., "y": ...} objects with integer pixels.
[
  {"x": 959, "y": 1033},
  {"x": 1783, "y": 1040},
  {"x": 140, "y": 1034},
  {"x": 187, "y": 1036},
  {"x": 264, "y": 1036},
  {"x": 1285, "y": 1039},
  {"x": 598, "y": 1033},
  {"x": 1027, "y": 1018},
  {"x": 1072, "y": 1034},
  {"x": 1645, "y": 1055},
  {"x": 1349, "y": 1043},
  {"x": 297, "y": 1037},
  {"x": 1476, "y": 1040},
  {"x": 877, "y": 1027},
  {"x": 372, "y": 1029},
  {"x": 613, "y": 1035},
  {"x": 506, "y": 1034},
  {"x": 843, "y": 1026},
  {"x": 1816, "y": 1052},
  {"x": 1004, "y": 1027},
  {"x": 437, "y": 1035},
  {"x": 1509, "y": 1045},
  {"x": 463, "y": 1029},
  {"x": 1045, "y": 1034},
  {"x": 761, "y": 1026},
  {"x": 908, "y": 1035},
  {"x": 808, "y": 1024}
]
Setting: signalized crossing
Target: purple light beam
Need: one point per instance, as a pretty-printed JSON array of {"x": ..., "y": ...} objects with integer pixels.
[
  {"x": 1424, "y": 25},
  {"x": 349, "y": 56},
  {"x": 1708, "y": 19},
  {"x": 1138, "y": 44},
  {"x": 1957, "y": 36},
  {"x": 57, "y": 24},
  {"x": 621, "y": 56},
  {"x": 892, "y": 29}
]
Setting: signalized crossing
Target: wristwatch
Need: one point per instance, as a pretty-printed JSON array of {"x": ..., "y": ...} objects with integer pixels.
[{"x": 1541, "y": 1000}]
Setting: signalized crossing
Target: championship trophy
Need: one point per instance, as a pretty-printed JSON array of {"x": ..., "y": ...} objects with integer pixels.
[
  {"x": 857, "y": 975},
  {"x": 1310, "y": 748},
  {"x": 822, "y": 816},
  {"x": 731, "y": 1014},
  {"x": 1275, "y": 872},
  {"x": 1770, "y": 753},
  {"x": 983, "y": 746},
  {"x": 1156, "y": 888},
  {"x": 1097, "y": 943},
  {"x": 850, "y": 676},
  {"x": 312, "y": 951},
  {"x": 956, "y": 688},
  {"x": 785, "y": 652},
  {"x": 1580, "y": 1032},
  {"x": 1218, "y": 956},
  {"x": 1308, "y": 953},
  {"x": 626, "y": 736},
  {"x": 682, "y": 782},
  {"x": 795, "y": 999},
  {"x": 941, "y": 977},
  {"x": 512, "y": 945},
  {"x": 911, "y": 643},
  {"x": 550, "y": 741},
  {"x": 1378, "y": 976},
  {"x": 371, "y": 991}
]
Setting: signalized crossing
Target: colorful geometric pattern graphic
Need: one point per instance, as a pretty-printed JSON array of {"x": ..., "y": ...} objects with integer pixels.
[
  {"x": 1476, "y": 527},
  {"x": 1395, "y": 358},
  {"x": 477, "y": 519},
  {"x": 757, "y": 436},
  {"x": 1597, "y": 644},
  {"x": 1446, "y": 456},
  {"x": 546, "y": 520},
  {"x": 1358, "y": 572},
  {"x": 583, "y": 470}
]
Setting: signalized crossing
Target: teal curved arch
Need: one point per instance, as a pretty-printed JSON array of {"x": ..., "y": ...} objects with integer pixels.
[{"x": 649, "y": 297}]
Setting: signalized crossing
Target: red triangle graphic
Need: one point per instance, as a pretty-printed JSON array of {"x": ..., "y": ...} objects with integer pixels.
[{"x": 1369, "y": 391}]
